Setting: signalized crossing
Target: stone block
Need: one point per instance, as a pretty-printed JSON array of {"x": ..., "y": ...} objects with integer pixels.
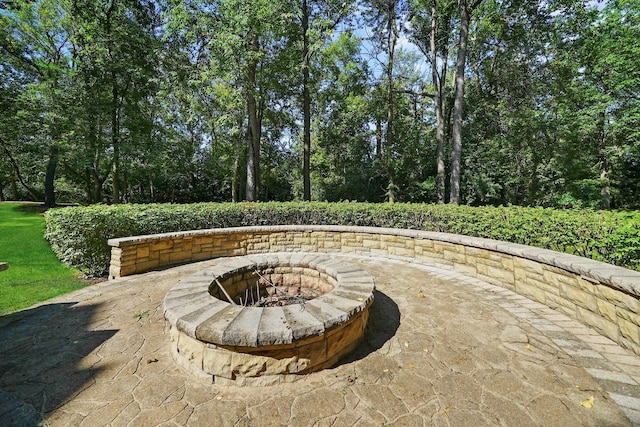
[
  {"x": 630, "y": 316},
  {"x": 454, "y": 255},
  {"x": 629, "y": 330},
  {"x": 203, "y": 240},
  {"x": 174, "y": 333},
  {"x": 530, "y": 291},
  {"x": 467, "y": 270},
  {"x": 211, "y": 329},
  {"x": 218, "y": 362},
  {"x": 579, "y": 297},
  {"x": 342, "y": 336},
  {"x": 402, "y": 252},
  {"x": 174, "y": 313},
  {"x": 146, "y": 266},
  {"x": 291, "y": 280},
  {"x": 504, "y": 276},
  {"x": 585, "y": 285},
  {"x": 371, "y": 243},
  {"x": 619, "y": 298},
  {"x": 184, "y": 255},
  {"x": 201, "y": 255},
  {"x": 116, "y": 252},
  {"x": 556, "y": 301},
  {"x": 494, "y": 281},
  {"x": 492, "y": 261},
  {"x": 607, "y": 310},
  {"x": 540, "y": 283},
  {"x": 301, "y": 322},
  {"x": 349, "y": 306},
  {"x": 506, "y": 262},
  {"x": 128, "y": 255},
  {"x": 114, "y": 272},
  {"x": 329, "y": 245},
  {"x": 597, "y": 322},
  {"x": 315, "y": 353},
  {"x": 429, "y": 259},
  {"x": 142, "y": 252},
  {"x": 471, "y": 261},
  {"x": 325, "y": 313},
  {"x": 439, "y": 247},
  {"x": 258, "y": 246},
  {"x": 164, "y": 258},
  {"x": 191, "y": 349},
  {"x": 423, "y": 245},
  {"x": 161, "y": 245},
  {"x": 529, "y": 266},
  {"x": 127, "y": 270},
  {"x": 154, "y": 255},
  {"x": 243, "y": 329},
  {"x": 522, "y": 274}
]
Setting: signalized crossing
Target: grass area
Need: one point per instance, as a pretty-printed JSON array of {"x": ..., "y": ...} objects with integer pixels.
[{"x": 35, "y": 274}]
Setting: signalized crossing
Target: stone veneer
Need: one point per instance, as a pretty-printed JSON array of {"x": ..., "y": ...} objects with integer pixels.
[
  {"x": 599, "y": 295},
  {"x": 242, "y": 345}
]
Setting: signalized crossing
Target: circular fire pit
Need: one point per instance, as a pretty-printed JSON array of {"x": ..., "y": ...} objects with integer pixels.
[{"x": 261, "y": 319}]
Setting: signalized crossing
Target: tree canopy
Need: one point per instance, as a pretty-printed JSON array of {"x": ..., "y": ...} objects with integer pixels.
[{"x": 484, "y": 102}]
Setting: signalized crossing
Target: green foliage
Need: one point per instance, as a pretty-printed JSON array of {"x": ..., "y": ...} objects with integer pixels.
[
  {"x": 98, "y": 98},
  {"x": 78, "y": 235}
]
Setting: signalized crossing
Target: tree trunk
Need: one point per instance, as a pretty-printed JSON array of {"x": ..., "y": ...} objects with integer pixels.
[
  {"x": 238, "y": 164},
  {"x": 438, "y": 102},
  {"x": 49, "y": 180},
  {"x": 379, "y": 144},
  {"x": 605, "y": 192},
  {"x": 14, "y": 186},
  {"x": 458, "y": 106},
  {"x": 97, "y": 191},
  {"x": 235, "y": 181},
  {"x": 306, "y": 104},
  {"x": 251, "y": 179},
  {"x": 16, "y": 177},
  {"x": 389, "y": 136},
  {"x": 253, "y": 131},
  {"x": 115, "y": 141},
  {"x": 605, "y": 189}
]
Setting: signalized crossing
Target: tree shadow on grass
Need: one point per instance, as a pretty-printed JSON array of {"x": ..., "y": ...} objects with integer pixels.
[
  {"x": 41, "y": 350},
  {"x": 384, "y": 321}
]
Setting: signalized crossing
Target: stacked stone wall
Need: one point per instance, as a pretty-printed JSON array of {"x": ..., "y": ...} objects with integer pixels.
[{"x": 599, "y": 295}]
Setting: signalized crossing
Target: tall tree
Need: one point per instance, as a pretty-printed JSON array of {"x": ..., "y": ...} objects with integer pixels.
[
  {"x": 431, "y": 31},
  {"x": 466, "y": 10},
  {"x": 318, "y": 20},
  {"x": 36, "y": 36}
]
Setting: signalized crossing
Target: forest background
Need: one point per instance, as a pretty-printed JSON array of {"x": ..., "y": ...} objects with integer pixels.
[{"x": 478, "y": 102}]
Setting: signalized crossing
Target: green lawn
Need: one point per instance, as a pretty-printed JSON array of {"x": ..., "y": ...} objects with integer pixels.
[{"x": 35, "y": 274}]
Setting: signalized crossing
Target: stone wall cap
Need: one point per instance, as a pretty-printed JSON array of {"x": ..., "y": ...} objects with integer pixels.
[{"x": 618, "y": 277}]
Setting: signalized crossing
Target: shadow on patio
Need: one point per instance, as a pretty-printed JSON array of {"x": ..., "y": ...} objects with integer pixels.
[{"x": 41, "y": 353}]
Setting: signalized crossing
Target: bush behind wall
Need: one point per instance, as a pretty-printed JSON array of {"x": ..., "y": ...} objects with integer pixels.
[{"x": 78, "y": 235}]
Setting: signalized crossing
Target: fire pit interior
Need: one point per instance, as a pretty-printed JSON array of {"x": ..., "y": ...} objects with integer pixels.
[
  {"x": 264, "y": 319},
  {"x": 271, "y": 286}
]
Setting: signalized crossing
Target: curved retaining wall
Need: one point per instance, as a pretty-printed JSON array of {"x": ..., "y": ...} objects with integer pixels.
[{"x": 599, "y": 295}]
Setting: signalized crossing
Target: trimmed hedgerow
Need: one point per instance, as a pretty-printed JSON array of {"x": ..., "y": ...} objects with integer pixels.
[{"x": 78, "y": 235}]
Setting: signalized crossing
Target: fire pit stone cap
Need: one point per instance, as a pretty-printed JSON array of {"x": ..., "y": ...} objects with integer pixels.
[{"x": 222, "y": 323}]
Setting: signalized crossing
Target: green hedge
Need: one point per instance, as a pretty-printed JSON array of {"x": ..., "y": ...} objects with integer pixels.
[{"x": 78, "y": 235}]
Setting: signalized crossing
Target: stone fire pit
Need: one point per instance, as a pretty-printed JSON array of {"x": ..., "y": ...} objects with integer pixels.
[{"x": 264, "y": 319}]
